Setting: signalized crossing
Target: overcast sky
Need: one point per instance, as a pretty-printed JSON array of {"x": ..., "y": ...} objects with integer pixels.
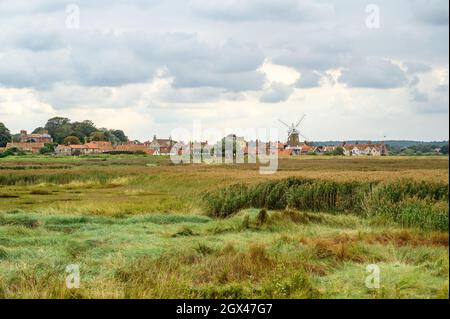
[{"x": 149, "y": 67}]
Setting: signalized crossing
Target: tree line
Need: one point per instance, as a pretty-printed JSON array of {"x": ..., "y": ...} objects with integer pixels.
[{"x": 64, "y": 131}]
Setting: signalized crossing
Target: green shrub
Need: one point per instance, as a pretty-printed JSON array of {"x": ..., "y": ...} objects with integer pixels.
[{"x": 13, "y": 151}]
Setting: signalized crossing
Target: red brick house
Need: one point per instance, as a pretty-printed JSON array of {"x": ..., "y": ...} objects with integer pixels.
[{"x": 32, "y": 147}]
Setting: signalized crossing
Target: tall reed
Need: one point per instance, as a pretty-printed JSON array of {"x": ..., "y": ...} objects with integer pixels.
[{"x": 406, "y": 202}]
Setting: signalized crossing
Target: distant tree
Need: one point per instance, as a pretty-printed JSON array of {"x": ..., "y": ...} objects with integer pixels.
[
  {"x": 15, "y": 138},
  {"x": 83, "y": 138},
  {"x": 120, "y": 135},
  {"x": 71, "y": 140},
  {"x": 62, "y": 132},
  {"x": 444, "y": 149},
  {"x": 110, "y": 136},
  {"x": 49, "y": 148},
  {"x": 5, "y": 135},
  {"x": 38, "y": 130},
  {"x": 59, "y": 128},
  {"x": 339, "y": 151},
  {"x": 407, "y": 152},
  {"x": 55, "y": 123},
  {"x": 83, "y": 129},
  {"x": 97, "y": 136}
]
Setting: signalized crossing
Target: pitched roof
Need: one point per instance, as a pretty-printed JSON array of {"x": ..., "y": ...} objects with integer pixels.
[
  {"x": 349, "y": 147},
  {"x": 280, "y": 146},
  {"x": 286, "y": 152},
  {"x": 60, "y": 146},
  {"x": 164, "y": 142},
  {"x": 134, "y": 148},
  {"x": 84, "y": 146}
]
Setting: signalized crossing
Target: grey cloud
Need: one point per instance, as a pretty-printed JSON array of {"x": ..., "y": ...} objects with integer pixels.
[
  {"x": 308, "y": 79},
  {"x": 247, "y": 10},
  {"x": 417, "y": 67},
  {"x": 243, "y": 81},
  {"x": 26, "y": 7},
  {"x": 105, "y": 59},
  {"x": 442, "y": 88},
  {"x": 20, "y": 69},
  {"x": 277, "y": 92},
  {"x": 435, "y": 105},
  {"x": 375, "y": 73},
  {"x": 415, "y": 80},
  {"x": 196, "y": 95},
  {"x": 312, "y": 57},
  {"x": 435, "y": 101},
  {"x": 70, "y": 96},
  {"x": 419, "y": 96},
  {"x": 434, "y": 12}
]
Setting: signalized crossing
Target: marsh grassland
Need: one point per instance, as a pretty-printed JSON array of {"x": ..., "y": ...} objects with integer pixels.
[{"x": 140, "y": 227}]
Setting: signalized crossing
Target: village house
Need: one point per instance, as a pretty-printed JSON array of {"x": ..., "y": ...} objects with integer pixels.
[
  {"x": 280, "y": 149},
  {"x": 285, "y": 152},
  {"x": 288, "y": 150},
  {"x": 75, "y": 149},
  {"x": 365, "y": 149},
  {"x": 42, "y": 137},
  {"x": 305, "y": 149},
  {"x": 197, "y": 149},
  {"x": 134, "y": 148},
  {"x": 30, "y": 142},
  {"x": 63, "y": 150},
  {"x": 241, "y": 144},
  {"x": 161, "y": 146},
  {"x": 231, "y": 143},
  {"x": 257, "y": 147},
  {"x": 103, "y": 146},
  {"x": 32, "y": 147},
  {"x": 324, "y": 149}
]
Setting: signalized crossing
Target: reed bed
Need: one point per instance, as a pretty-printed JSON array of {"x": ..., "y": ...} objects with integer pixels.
[{"x": 410, "y": 203}]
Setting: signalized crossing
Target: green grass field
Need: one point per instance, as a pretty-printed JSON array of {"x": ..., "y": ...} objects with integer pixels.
[{"x": 140, "y": 227}]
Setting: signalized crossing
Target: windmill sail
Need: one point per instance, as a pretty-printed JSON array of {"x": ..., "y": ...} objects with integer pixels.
[{"x": 294, "y": 133}]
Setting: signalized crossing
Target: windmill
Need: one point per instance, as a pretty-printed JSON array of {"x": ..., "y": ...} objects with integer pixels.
[{"x": 294, "y": 133}]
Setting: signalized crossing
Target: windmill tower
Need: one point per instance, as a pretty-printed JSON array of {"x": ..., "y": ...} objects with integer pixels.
[{"x": 293, "y": 141}]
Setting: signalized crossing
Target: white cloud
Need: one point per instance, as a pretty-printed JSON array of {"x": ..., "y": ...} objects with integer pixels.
[
  {"x": 276, "y": 92},
  {"x": 229, "y": 63}
]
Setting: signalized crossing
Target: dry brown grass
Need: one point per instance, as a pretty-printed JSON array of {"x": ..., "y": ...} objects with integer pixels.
[{"x": 397, "y": 238}]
